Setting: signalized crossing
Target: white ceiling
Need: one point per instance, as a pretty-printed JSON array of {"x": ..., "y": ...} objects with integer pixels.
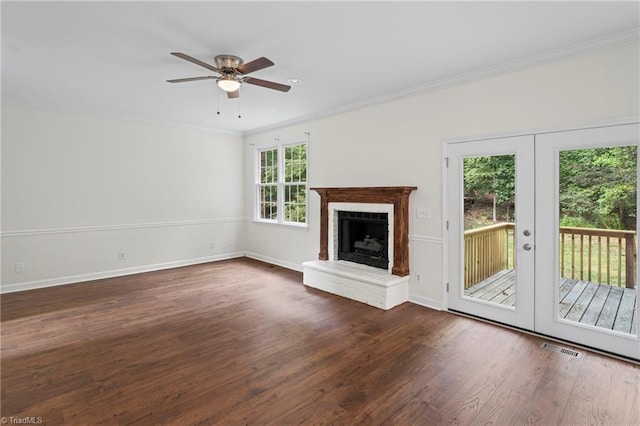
[{"x": 113, "y": 58}]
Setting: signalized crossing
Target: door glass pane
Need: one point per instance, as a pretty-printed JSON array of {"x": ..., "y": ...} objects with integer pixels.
[
  {"x": 597, "y": 237},
  {"x": 489, "y": 222}
]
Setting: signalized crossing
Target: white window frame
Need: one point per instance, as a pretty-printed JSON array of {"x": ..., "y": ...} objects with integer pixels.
[
  {"x": 280, "y": 147},
  {"x": 260, "y": 185}
]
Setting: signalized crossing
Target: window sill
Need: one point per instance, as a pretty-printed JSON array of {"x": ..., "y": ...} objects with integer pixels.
[{"x": 285, "y": 224}]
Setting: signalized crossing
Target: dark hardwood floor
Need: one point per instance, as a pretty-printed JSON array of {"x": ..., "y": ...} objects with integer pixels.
[{"x": 243, "y": 342}]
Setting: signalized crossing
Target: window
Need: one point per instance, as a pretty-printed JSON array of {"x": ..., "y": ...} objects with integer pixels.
[
  {"x": 295, "y": 183},
  {"x": 282, "y": 184},
  {"x": 268, "y": 186}
]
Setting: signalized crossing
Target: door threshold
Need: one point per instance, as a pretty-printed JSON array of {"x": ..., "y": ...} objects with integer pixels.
[{"x": 547, "y": 337}]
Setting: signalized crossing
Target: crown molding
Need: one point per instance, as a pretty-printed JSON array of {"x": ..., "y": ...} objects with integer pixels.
[
  {"x": 593, "y": 46},
  {"x": 16, "y": 102}
]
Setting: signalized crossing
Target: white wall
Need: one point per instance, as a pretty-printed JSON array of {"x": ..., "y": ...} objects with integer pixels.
[
  {"x": 399, "y": 143},
  {"x": 78, "y": 190}
]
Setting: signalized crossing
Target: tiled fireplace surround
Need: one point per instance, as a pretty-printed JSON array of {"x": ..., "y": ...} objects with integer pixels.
[{"x": 375, "y": 286}]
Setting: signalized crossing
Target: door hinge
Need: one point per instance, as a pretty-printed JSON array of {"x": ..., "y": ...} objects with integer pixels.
[
  {"x": 447, "y": 287},
  {"x": 446, "y": 162},
  {"x": 447, "y": 224}
]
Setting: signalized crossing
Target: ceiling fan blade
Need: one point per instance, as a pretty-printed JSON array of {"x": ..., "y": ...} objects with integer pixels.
[
  {"x": 195, "y": 61},
  {"x": 234, "y": 94},
  {"x": 255, "y": 65},
  {"x": 182, "y": 80},
  {"x": 267, "y": 84}
]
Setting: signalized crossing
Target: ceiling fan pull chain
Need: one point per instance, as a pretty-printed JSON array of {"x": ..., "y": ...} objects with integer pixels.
[
  {"x": 218, "y": 92},
  {"x": 239, "y": 116}
]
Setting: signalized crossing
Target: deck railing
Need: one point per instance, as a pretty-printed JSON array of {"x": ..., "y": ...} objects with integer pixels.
[
  {"x": 487, "y": 251},
  {"x": 604, "y": 256}
]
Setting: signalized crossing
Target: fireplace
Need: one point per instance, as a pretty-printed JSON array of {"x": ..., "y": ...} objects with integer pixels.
[
  {"x": 364, "y": 245},
  {"x": 397, "y": 200},
  {"x": 363, "y": 237}
]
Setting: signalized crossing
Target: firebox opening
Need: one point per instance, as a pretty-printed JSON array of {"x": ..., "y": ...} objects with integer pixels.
[{"x": 363, "y": 237}]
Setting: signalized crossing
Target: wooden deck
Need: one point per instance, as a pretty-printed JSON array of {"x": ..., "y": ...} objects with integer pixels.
[{"x": 601, "y": 305}]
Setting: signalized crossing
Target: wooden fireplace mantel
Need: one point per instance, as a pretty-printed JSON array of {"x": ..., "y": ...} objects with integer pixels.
[{"x": 396, "y": 195}]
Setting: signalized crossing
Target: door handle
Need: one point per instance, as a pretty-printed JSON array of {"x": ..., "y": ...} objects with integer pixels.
[{"x": 527, "y": 246}]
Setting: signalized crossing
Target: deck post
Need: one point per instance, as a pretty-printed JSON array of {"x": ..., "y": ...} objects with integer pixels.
[{"x": 630, "y": 261}]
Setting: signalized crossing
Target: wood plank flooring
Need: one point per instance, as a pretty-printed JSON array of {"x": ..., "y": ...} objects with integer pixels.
[
  {"x": 243, "y": 342},
  {"x": 601, "y": 305}
]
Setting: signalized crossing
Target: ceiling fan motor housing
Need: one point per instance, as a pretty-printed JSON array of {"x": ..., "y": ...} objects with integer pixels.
[{"x": 228, "y": 62}]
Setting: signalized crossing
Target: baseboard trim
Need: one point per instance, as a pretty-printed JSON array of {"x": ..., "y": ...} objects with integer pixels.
[
  {"x": 426, "y": 302},
  {"x": 72, "y": 279},
  {"x": 273, "y": 261}
]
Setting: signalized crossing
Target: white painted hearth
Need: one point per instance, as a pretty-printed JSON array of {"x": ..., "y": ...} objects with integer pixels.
[
  {"x": 366, "y": 284},
  {"x": 382, "y": 288}
]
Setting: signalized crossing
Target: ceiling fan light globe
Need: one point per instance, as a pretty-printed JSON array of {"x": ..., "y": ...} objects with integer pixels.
[{"x": 228, "y": 84}]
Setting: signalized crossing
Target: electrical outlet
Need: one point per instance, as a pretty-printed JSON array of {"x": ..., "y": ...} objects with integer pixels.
[
  {"x": 418, "y": 278},
  {"x": 212, "y": 246},
  {"x": 421, "y": 213},
  {"x": 123, "y": 255},
  {"x": 20, "y": 267}
]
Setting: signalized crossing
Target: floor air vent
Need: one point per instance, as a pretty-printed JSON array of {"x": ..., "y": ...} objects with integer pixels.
[{"x": 560, "y": 349}]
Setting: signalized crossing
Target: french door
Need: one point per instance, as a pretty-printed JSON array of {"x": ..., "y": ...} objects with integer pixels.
[
  {"x": 542, "y": 234},
  {"x": 492, "y": 269}
]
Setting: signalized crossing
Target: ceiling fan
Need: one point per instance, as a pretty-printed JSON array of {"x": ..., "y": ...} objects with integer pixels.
[{"x": 232, "y": 73}]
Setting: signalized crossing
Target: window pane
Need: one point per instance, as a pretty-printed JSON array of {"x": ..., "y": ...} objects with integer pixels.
[
  {"x": 598, "y": 188},
  {"x": 269, "y": 166},
  {"x": 489, "y": 229},
  {"x": 268, "y": 202},
  {"x": 597, "y": 193},
  {"x": 295, "y": 203},
  {"x": 288, "y": 170},
  {"x": 272, "y": 192},
  {"x": 295, "y": 167}
]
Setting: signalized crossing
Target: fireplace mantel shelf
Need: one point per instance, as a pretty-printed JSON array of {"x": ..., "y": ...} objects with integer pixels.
[
  {"x": 396, "y": 195},
  {"x": 366, "y": 194}
]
